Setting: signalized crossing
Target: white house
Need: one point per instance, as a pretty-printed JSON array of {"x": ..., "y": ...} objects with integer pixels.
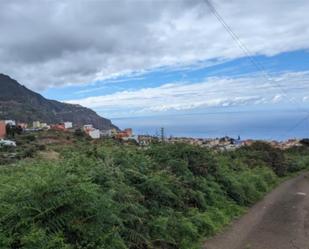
[
  {"x": 94, "y": 134},
  {"x": 133, "y": 137},
  {"x": 107, "y": 133},
  {"x": 68, "y": 125},
  {"x": 36, "y": 124},
  {"x": 43, "y": 125},
  {"x": 11, "y": 122},
  {"x": 88, "y": 127}
]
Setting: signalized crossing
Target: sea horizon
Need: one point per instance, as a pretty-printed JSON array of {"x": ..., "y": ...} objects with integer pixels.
[{"x": 273, "y": 125}]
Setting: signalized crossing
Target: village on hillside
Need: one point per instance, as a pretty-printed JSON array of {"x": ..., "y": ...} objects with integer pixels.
[{"x": 10, "y": 127}]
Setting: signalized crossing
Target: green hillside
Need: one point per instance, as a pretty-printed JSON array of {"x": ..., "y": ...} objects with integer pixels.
[
  {"x": 21, "y": 104},
  {"x": 105, "y": 194}
]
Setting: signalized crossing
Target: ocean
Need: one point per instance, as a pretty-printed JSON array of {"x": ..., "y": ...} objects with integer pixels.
[{"x": 267, "y": 125}]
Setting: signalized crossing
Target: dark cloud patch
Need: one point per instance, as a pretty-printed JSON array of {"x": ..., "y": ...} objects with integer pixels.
[{"x": 52, "y": 43}]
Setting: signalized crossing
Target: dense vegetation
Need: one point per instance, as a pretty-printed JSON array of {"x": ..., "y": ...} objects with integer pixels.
[{"x": 108, "y": 195}]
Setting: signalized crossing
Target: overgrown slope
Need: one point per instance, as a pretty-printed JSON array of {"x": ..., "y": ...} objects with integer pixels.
[{"x": 107, "y": 195}]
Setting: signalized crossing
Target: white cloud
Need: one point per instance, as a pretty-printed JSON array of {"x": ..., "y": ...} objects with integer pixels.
[
  {"x": 214, "y": 92},
  {"x": 277, "y": 98},
  {"x": 306, "y": 98},
  {"x": 52, "y": 43}
]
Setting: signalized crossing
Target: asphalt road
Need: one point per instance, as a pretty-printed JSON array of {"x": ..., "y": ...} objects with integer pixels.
[{"x": 279, "y": 221}]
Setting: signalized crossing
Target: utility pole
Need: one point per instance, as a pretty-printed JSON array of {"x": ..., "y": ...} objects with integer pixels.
[{"x": 162, "y": 135}]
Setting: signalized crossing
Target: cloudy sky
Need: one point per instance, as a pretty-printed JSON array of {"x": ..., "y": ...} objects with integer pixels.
[{"x": 129, "y": 59}]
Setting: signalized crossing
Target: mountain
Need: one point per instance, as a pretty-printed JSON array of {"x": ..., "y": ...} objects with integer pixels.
[{"x": 19, "y": 103}]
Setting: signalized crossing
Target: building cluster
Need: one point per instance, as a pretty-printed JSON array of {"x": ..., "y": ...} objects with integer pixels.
[
  {"x": 284, "y": 145},
  {"x": 64, "y": 126},
  {"x": 145, "y": 140},
  {"x": 12, "y": 123},
  {"x": 222, "y": 144},
  {"x": 89, "y": 129},
  {"x": 92, "y": 132},
  {"x": 126, "y": 135},
  {"x": 35, "y": 126},
  {"x": 227, "y": 143}
]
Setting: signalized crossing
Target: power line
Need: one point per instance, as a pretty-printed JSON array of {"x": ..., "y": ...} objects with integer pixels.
[
  {"x": 256, "y": 63},
  {"x": 296, "y": 125},
  {"x": 247, "y": 52}
]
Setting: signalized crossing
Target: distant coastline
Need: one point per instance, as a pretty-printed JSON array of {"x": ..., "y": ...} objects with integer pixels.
[{"x": 279, "y": 125}]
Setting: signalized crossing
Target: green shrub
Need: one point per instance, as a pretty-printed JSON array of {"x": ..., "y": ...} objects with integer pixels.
[
  {"x": 46, "y": 202},
  {"x": 30, "y": 137},
  {"x": 111, "y": 196},
  {"x": 29, "y": 152},
  {"x": 305, "y": 141}
]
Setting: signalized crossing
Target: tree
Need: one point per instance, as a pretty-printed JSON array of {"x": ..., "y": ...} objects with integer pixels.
[
  {"x": 10, "y": 130},
  {"x": 305, "y": 141},
  {"x": 79, "y": 133}
]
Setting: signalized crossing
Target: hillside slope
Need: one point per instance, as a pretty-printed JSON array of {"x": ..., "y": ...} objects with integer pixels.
[{"x": 19, "y": 103}]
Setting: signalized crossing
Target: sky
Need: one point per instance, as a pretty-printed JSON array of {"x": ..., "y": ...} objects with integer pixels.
[{"x": 152, "y": 63}]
